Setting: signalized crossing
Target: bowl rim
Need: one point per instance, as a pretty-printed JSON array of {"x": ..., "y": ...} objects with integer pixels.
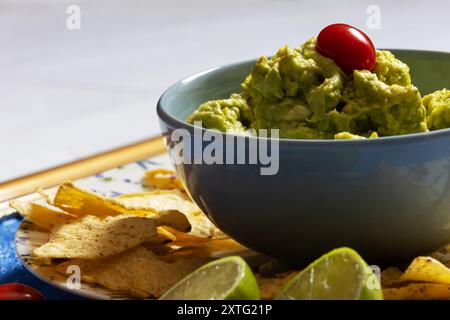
[{"x": 410, "y": 137}]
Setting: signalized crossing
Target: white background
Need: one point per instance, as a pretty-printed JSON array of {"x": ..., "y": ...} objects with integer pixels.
[{"x": 69, "y": 94}]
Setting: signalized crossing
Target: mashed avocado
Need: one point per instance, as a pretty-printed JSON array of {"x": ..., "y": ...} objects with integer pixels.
[
  {"x": 348, "y": 135},
  {"x": 233, "y": 114},
  {"x": 438, "y": 109},
  {"x": 307, "y": 96}
]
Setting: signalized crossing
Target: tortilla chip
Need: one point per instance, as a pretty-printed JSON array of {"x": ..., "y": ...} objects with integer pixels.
[
  {"x": 137, "y": 272},
  {"x": 270, "y": 287},
  {"x": 163, "y": 179},
  {"x": 160, "y": 249},
  {"x": 160, "y": 200},
  {"x": 188, "y": 240},
  {"x": 91, "y": 237},
  {"x": 203, "y": 227},
  {"x": 173, "y": 219},
  {"x": 46, "y": 217},
  {"x": 210, "y": 248},
  {"x": 82, "y": 202},
  {"x": 426, "y": 269},
  {"x": 183, "y": 238},
  {"x": 45, "y": 196},
  {"x": 418, "y": 291},
  {"x": 72, "y": 199},
  {"x": 164, "y": 237}
]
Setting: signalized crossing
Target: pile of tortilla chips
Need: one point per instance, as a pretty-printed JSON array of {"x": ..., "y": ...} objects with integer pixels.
[
  {"x": 138, "y": 244},
  {"x": 141, "y": 244}
]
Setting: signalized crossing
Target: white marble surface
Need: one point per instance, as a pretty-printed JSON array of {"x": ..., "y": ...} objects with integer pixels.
[{"x": 68, "y": 94}]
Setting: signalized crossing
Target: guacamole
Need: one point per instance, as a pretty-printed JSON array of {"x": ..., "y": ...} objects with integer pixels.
[
  {"x": 438, "y": 109},
  {"x": 307, "y": 96}
]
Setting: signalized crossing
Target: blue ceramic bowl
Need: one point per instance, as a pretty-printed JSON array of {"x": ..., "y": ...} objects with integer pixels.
[{"x": 388, "y": 198}]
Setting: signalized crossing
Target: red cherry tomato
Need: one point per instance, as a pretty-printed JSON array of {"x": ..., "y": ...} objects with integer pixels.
[
  {"x": 18, "y": 291},
  {"x": 349, "y": 47}
]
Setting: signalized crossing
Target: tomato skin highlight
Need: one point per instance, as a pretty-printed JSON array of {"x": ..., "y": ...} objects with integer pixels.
[
  {"x": 18, "y": 291},
  {"x": 350, "y": 48}
]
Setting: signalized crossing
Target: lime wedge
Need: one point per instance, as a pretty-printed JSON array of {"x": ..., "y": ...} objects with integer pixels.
[
  {"x": 228, "y": 278},
  {"x": 340, "y": 274}
]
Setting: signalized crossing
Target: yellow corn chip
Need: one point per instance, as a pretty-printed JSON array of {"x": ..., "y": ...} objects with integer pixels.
[
  {"x": 45, "y": 196},
  {"x": 71, "y": 198},
  {"x": 163, "y": 179},
  {"x": 163, "y": 237},
  {"x": 45, "y": 217},
  {"x": 82, "y": 202},
  {"x": 92, "y": 237},
  {"x": 211, "y": 248},
  {"x": 203, "y": 227},
  {"x": 160, "y": 200},
  {"x": 426, "y": 269},
  {"x": 137, "y": 272},
  {"x": 182, "y": 238},
  {"x": 160, "y": 249},
  {"x": 418, "y": 291}
]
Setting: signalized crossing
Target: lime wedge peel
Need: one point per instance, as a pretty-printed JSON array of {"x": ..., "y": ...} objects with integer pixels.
[
  {"x": 340, "y": 274},
  {"x": 228, "y": 278}
]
